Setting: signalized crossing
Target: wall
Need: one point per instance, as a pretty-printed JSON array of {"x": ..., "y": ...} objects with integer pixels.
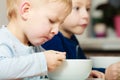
[{"x": 3, "y": 18}]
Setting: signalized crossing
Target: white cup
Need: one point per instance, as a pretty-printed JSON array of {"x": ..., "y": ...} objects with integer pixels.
[
  {"x": 104, "y": 61},
  {"x": 72, "y": 69}
]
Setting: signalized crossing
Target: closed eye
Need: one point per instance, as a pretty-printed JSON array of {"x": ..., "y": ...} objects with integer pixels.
[{"x": 51, "y": 21}]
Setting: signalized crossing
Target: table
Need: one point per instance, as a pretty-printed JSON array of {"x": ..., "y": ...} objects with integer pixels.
[
  {"x": 86, "y": 79},
  {"x": 94, "y": 79}
]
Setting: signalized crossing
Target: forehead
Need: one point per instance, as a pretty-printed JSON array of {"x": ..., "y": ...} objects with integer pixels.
[
  {"x": 55, "y": 7},
  {"x": 57, "y": 11},
  {"x": 81, "y": 2}
]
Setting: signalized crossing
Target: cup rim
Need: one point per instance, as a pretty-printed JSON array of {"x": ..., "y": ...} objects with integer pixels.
[
  {"x": 78, "y": 60},
  {"x": 104, "y": 57}
]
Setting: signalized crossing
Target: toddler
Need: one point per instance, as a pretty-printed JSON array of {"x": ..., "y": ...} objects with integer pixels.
[
  {"x": 31, "y": 23},
  {"x": 75, "y": 23}
]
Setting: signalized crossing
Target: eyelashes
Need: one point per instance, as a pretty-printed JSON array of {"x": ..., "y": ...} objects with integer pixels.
[
  {"x": 51, "y": 21},
  {"x": 78, "y": 8}
]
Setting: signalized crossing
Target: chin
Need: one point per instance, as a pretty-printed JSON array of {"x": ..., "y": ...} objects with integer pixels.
[
  {"x": 37, "y": 44},
  {"x": 79, "y": 32}
]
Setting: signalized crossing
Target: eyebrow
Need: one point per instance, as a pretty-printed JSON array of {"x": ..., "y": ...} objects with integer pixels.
[
  {"x": 58, "y": 19},
  {"x": 61, "y": 21},
  {"x": 79, "y": 3},
  {"x": 89, "y": 4}
]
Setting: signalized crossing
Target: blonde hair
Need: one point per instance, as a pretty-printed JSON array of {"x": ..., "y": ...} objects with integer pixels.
[
  {"x": 68, "y": 4},
  {"x": 12, "y": 6}
]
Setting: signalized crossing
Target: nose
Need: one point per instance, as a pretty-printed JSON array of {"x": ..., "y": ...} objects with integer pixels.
[
  {"x": 54, "y": 30},
  {"x": 84, "y": 13}
]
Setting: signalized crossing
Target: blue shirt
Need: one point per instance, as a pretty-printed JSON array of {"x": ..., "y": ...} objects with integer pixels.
[{"x": 70, "y": 46}]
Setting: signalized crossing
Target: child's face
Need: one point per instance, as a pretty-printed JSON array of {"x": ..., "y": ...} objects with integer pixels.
[
  {"x": 78, "y": 19},
  {"x": 43, "y": 22}
]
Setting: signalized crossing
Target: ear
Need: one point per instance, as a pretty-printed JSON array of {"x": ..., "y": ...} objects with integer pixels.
[{"x": 24, "y": 10}]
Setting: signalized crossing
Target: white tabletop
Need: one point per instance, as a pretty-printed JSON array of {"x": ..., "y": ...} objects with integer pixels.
[
  {"x": 86, "y": 79},
  {"x": 94, "y": 79}
]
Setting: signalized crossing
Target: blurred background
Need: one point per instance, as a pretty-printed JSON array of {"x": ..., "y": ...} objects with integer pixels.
[
  {"x": 3, "y": 18},
  {"x": 102, "y": 37}
]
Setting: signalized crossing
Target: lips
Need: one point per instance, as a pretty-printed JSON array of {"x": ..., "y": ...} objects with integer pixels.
[
  {"x": 45, "y": 40},
  {"x": 84, "y": 25}
]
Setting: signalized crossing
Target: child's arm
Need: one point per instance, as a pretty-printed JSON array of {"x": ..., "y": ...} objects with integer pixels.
[
  {"x": 28, "y": 65},
  {"x": 23, "y": 66}
]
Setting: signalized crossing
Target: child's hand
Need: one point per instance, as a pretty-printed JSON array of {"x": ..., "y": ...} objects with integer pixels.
[
  {"x": 113, "y": 72},
  {"x": 97, "y": 74},
  {"x": 54, "y": 59}
]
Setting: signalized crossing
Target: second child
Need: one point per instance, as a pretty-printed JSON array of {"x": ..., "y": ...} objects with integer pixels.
[{"x": 75, "y": 23}]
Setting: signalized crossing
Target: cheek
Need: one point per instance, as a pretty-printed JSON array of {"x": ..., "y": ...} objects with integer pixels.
[
  {"x": 37, "y": 31},
  {"x": 41, "y": 26},
  {"x": 71, "y": 24},
  {"x": 73, "y": 20},
  {"x": 70, "y": 21},
  {"x": 45, "y": 30},
  {"x": 79, "y": 30}
]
